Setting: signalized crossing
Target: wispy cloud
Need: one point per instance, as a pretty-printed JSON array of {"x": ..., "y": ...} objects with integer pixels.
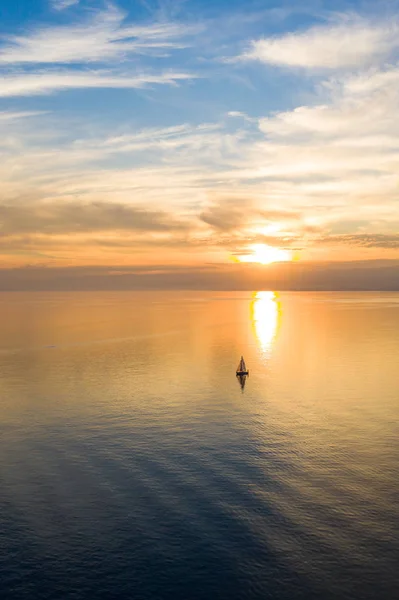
[
  {"x": 64, "y": 4},
  {"x": 28, "y": 84},
  {"x": 354, "y": 43},
  {"x": 60, "y": 218},
  {"x": 358, "y": 107},
  {"x": 237, "y": 114},
  {"x": 235, "y": 213},
  {"x": 367, "y": 240},
  {"x": 171, "y": 139},
  {"x": 16, "y": 115},
  {"x": 54, "y": 58},
  {"x": 102, "y": 38}
]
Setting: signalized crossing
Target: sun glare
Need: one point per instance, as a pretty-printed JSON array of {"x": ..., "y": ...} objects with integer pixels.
[
  {"x": 265, "y": 316},
  {"x": 266, "y": 255}
]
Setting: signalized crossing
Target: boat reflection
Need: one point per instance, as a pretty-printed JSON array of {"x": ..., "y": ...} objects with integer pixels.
[
  {"x": 241, "y": 380},
  {"x": 265, "y": 314}
]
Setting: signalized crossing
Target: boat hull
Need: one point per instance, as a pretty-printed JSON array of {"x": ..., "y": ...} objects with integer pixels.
[{"x": 240, "y": 373}]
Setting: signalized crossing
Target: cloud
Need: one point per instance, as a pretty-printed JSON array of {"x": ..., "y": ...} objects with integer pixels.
[
  {"x": 278, "y": 187},
  {"x": 357, "y": 275},
  {"x": 229, "y": 214},
  {"x": 79, "y": 217},
  {"x": 345, "y": 147},
  {"x": 358, "y": 106},
  {"x": 102, "y": 38},
  {"x": 367, "y": 82},
  {"x": 64, "y": 4},
  {"x": 16, "y": 115},
  {"x": 237, "y": 114},
  {"x": 367, "y": 240},
  {"x": 173, "y": 138},
  {"x": 354, "y": 43},
  {"x": 289, "y": 180},
  {"x": 28, "y": 84}
]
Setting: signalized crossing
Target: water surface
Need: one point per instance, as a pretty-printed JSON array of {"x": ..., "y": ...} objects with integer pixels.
[{"x": 134, "y": 465}]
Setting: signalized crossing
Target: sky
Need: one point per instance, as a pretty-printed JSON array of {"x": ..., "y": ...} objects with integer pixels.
[{"x": 182, "y": 143}]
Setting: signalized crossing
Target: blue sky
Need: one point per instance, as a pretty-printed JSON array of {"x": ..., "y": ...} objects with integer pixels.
[{"x": 197, "y": 131}]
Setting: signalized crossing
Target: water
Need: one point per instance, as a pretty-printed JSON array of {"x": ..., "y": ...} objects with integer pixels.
[{"x": 133, "y": 465}]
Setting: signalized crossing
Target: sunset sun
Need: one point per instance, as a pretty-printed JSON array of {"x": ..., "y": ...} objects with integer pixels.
[{"x": 265, "y": 255}]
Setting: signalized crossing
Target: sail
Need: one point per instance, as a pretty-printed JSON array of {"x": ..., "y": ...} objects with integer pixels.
[{"x": 241, "y": 367}]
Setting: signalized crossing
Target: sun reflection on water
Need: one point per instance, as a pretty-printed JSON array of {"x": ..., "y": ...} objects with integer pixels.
[{"x": 265, "y": 314}]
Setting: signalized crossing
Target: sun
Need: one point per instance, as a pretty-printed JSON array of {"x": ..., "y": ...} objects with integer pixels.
[{"x": 265, "y": 255}]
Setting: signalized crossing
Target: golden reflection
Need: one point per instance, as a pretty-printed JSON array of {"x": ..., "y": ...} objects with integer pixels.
[{"x": 265, "y": 314}]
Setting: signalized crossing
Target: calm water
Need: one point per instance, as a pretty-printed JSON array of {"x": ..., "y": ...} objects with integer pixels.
[{"x": 133, "y": 465}]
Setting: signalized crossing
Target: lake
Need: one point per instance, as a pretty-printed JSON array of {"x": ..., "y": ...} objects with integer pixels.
[{"x": 134, "y": 464}]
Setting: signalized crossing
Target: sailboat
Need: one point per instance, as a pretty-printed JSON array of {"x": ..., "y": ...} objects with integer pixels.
[{"x": 242, "y": 369}]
